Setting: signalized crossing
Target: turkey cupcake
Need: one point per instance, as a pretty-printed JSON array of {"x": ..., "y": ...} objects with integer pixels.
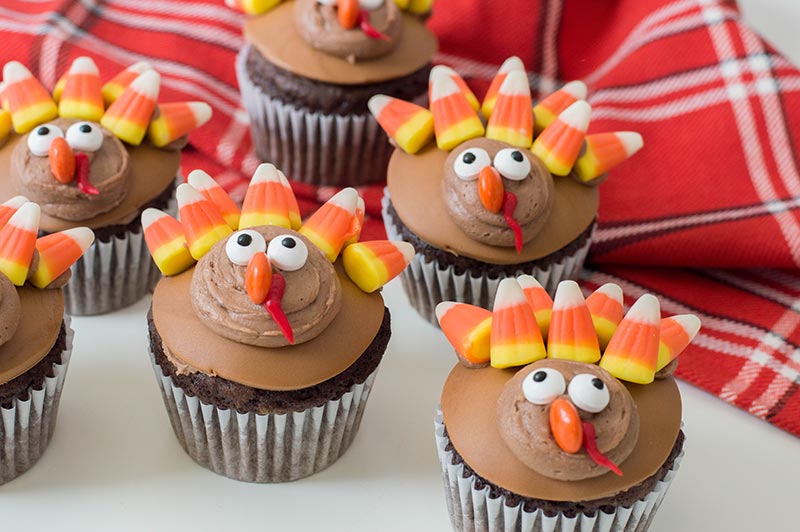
[
  {"x": 266, "y": 332},
  {"x": 561, "y": 415},
  {"x": 95, "y": 155},
  {"x": 307, "y": 71},
  {"x": 486, "y": 202},
  {"x": 35, "y": 336}
]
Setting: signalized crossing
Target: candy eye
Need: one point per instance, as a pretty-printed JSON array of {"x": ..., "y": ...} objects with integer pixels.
[
  {"x": 588, "y": 392},
  {"x": 543, "y": 385},
  {"x": 40, "y": 139},
  {"x": 287, "y": 253},
  {"x": 84, "y": 136},
  {"x": 370, "y": 4},
  {"x": 470, "y": 162},
  {"x": 241, "y": 246},
  {"x": 512, "y": 164}
]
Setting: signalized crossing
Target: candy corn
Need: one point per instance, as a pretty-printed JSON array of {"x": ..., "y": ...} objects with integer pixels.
[
  {"x": 516, "y": 339},
  {"x": 512, "y": 63},
  {"x": 269, "y": 199},
  {"x": 605, "y": 306},
  {"x": 114, "y": 88},
  {"x": 559, "y": 145},
  {"x": 174, "y": 120},
  {"x": 210, "y": 189},
  {"x": 59, "y": 251},
  {"x": 675, "y": 334},
  {"x": 252, "y": 7},
  {"x": 373, "y": 264},
  {"x": 408, "y": 124},
  {"x": 25, "y": 98},
  {"x": 454, "y": 121},
  {"x": 420, "y": 7},
  {"x": 604, "y": 151},
  {"x": 166, "y": 242},
  {"x": 358, "y": 221},
  {"x": 202, "y": 222},
  {"x": 333, "y": 223},
  {"x": 632, "y": 353},
  {"x": 572, "y": 334},
  {"x": 402, "y": 4},
  {"x": 468, "y": 329},
  {"x": 540, "y": 301},
  {"x": 59, "y": 88},
  {"x": 129, "y": 115},
  {"x": 546, "y": 111},
  {"x": 11, "y": 206},
  {"x": 462, "y": 85},
  {"x": 82, "y": 97},
  {"x": 512, "y": 118},
  {"x": 294, "y": 208},
  {"x": 17, "y": 243},
  {"x": 5, "y": 126}
]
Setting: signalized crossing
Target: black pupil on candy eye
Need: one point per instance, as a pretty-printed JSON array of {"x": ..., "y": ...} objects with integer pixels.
[
  {"x": 539, "y": 376},
  {"x": 517, "y": 156},
  {"x": 288, "y": 242},
  {"x": 44, "y": 130},
  {"x": 244, "y": 240},
  {"x": 469, "y": 158},
  {"x": 597, "y": 383},
  {"x": 85, "y": 128}
]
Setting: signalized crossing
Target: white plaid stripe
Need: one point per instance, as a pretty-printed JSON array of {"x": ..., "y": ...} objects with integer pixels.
[
  {"x": 216, "y": 11},
  {"x": 549, "y": 73}
]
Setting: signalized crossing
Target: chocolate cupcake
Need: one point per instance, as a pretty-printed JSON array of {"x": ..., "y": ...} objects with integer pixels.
[
  {"x": 98, "y": 158},
  {"x": 516, "y": 196},
  {"x": 267, "y": 348},
  {"x": 307, "y": 71},
  {"x": 560, "y": 438},
  {"x": 35, "y": 336}
]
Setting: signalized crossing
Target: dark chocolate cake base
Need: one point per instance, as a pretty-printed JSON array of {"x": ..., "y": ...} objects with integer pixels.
[{"x": 33, "y": 379}]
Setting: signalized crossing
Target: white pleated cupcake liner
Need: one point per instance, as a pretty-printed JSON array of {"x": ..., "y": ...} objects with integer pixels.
[
  {"x": 427, "y": 282},
  {"x": 473, "y": 510},
  {"x": 27, "y": 425},
  {"x": 256, "y": 447},
  {"x": 114, "y": 274},
  {"x": 310, "y": 146}
]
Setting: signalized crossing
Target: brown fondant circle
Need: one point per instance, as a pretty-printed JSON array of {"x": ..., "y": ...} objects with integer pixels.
[
  {"x": 278, "y": 369},
  {"x": 415, "y": 188},
  {"x": 39, "y": 325},
  {"x": 152, "y": 171},
  {"x": 469, "y": 407},
  {"x": 275, "y": 36}
]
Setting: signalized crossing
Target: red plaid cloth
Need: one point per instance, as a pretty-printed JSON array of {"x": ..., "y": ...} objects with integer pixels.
[{"x": 706, "y": 215}]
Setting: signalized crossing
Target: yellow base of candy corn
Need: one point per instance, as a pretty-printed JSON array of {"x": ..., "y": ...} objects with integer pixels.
[
  {"x": 174, "y": 257},
  {"x": 476, "y": 346},
  {"x": 460, "y": 132},
  {"x": 364, "y": 268},
  {"x": 5, "y": 125},
  {"x": 131, "y": 132},
  {"x": 232, "y": 220},
  {"x": 402, "y": 4},
  {"x": 111, "y": 91},
  {"x": 26, "y": 119},
  {"x": 506, "y": 356},
  {"x": 255, "y": 219},
  {"x": 41, "y": 278},
  {"x": 414, "y": 135},
  {"x": 488, "y": 107},
  {"x": 542, "y": 118},
  {"x": 509, "y": 135},
  {"x": 627, "y": 370},
  {"x": 15, "y": 272},
  {"x": 159, "y": 133},
  {"x": 543, "y": 320},
  {"x": 586, "y": 167},
  {"x": 201, "y": 246},
  {"x": 321, "y": 243},
  {"x": 553, "y": 163},
  {"x": 59, "y": 88},
  {"x": 664, "y": 356},
  {"x": 420, "y": 7},
  {"x": 80, "y": 110},
  {"x": 573, "y": 352},
  {"x": 605, "y": 330},
  {"x": 256, "y": 7}
]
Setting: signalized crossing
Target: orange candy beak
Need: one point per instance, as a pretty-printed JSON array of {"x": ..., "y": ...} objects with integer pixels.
[
  {"x": 565, "y": 424},
  {"x": 62, "y": 160},
  {"x": 490, "y": 189},
  {"x": 258, "y": 278},
  {"x": 348, "y": 13}
]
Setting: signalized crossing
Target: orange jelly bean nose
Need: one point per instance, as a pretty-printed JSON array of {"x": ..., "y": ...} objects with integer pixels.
[
  {"x": 258, "y": 278},
  {"x": 62, "y": 160},
  {"x": 565, "y": 424},
  {"x": 348, "y": 13},
  {"x": 490, "y": 189}
]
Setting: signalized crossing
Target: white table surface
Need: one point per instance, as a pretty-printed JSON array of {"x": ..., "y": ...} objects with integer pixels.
[{"x": 114, "y": 463}]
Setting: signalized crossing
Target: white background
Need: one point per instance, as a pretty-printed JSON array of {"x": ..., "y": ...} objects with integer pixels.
[{"x": 114, "y": 463}]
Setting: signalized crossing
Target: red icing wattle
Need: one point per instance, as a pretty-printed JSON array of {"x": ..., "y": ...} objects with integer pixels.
[
  {"x": 509, "y": 205},
  {"x": 367, "y": 27},
  {"x": 82, "y": 173},
  {"x": 273, "y": 305},
  {"x": 590, "y": 444}
]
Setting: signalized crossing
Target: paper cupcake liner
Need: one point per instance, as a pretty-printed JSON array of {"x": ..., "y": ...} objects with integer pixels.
[
  {"x": 26, "y": 426},
  {"x": 256, "y": 447},
  {"x": 473, "y": 510},
  {"x": 427, "y": 282},
  {"x": 113, "y": 275},
  {"x": 312, "y": 147}
]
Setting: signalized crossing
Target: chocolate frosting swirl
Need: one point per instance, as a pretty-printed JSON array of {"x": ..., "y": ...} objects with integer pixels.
[
  {"x": 108, "y": 171},
  {"x": 312, "y": 299},
  {"x": 535, "y": 196},
  {"x": 319, "y": 26},
  {"x": 10, "y": 309},
  {"x": 525, "y": 426}
]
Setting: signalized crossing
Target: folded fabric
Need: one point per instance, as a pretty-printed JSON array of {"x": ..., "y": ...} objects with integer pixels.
[{"x": 706, "y": 215}]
